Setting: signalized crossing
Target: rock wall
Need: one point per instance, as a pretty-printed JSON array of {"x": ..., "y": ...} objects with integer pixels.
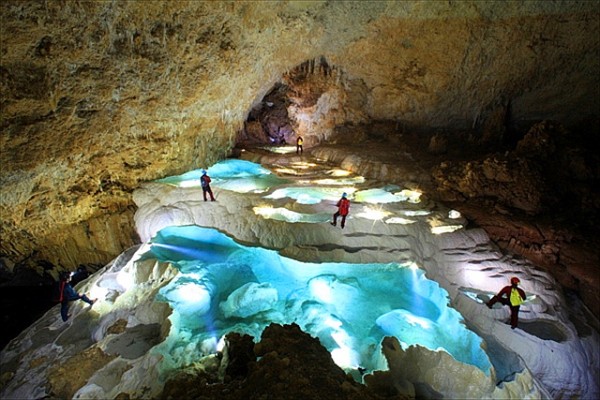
[{"x": 100, "y": 96}]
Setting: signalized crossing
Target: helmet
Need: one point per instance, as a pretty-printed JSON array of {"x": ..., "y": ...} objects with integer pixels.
[
  {"x": 203, "y": 172},
  {"x": 514, "y": 280},
  {"x": 344, "y": 194}
]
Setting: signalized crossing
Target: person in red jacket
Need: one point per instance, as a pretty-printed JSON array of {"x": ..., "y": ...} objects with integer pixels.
[
  {"x": 205, "y": 183},
  {"x": 511, "y": 296},
  {"x": 343, "y": 205}
]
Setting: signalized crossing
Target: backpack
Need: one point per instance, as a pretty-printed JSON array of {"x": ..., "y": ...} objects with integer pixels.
[
  {"x": 515, "y": 297},
  {"x": 58, "y": 291},
  {"x": 344, "y": 206}
]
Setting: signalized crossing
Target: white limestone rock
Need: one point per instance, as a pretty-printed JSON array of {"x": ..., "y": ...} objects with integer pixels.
[{"x": 249, "y": 300}]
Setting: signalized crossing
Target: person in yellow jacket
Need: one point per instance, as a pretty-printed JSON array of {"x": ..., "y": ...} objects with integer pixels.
[
  {"x": 512, "y": 296},
  {"x": 299, "y": 143}
]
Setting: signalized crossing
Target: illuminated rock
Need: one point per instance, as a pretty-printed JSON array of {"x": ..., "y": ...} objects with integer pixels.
[{"x": 248, "y": 300}]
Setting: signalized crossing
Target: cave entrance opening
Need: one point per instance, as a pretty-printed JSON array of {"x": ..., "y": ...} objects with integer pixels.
[
  {"x": 269, "y": 122},
  {"x": 295, "y": 106}
]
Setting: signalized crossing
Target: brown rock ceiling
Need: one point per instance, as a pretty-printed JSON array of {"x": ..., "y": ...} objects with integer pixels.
[{"x": 100, "y": 96}]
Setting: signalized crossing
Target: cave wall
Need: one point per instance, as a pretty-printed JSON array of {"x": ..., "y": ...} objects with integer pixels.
[{"x": 99, "y": 96}]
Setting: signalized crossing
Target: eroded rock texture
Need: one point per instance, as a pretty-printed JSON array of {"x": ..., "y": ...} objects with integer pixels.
[
  {"x": 100, "y": 96},
  {"x": 286, "y": 363},
  {"x": 540, "y": 201}
]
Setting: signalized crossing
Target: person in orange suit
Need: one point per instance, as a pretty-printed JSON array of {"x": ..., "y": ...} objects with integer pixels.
[{"x": 343, "y": 205}]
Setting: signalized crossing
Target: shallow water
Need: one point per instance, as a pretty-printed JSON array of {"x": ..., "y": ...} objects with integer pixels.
[{"x": 224, "y": 286}]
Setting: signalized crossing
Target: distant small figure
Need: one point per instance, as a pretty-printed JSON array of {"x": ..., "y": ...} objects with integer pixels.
[
  {"x": 343, "y": 205},
  {"x": 205, "y": 183},
  {"x": 512, "y": 296},
  {"x": 68, "y": 294},
  {"x": 299, "y": 142}
]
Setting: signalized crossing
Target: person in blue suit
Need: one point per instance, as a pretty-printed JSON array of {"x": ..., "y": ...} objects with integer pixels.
[{"x": 68, "y": 294}]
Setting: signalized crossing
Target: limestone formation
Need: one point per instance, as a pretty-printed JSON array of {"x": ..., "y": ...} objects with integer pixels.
[
  {"x": 100, "y": 96},
  {"x": 164, "y": 305}
]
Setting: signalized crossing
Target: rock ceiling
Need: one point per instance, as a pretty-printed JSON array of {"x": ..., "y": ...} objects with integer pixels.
[{"x": 100, "y": 96}]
